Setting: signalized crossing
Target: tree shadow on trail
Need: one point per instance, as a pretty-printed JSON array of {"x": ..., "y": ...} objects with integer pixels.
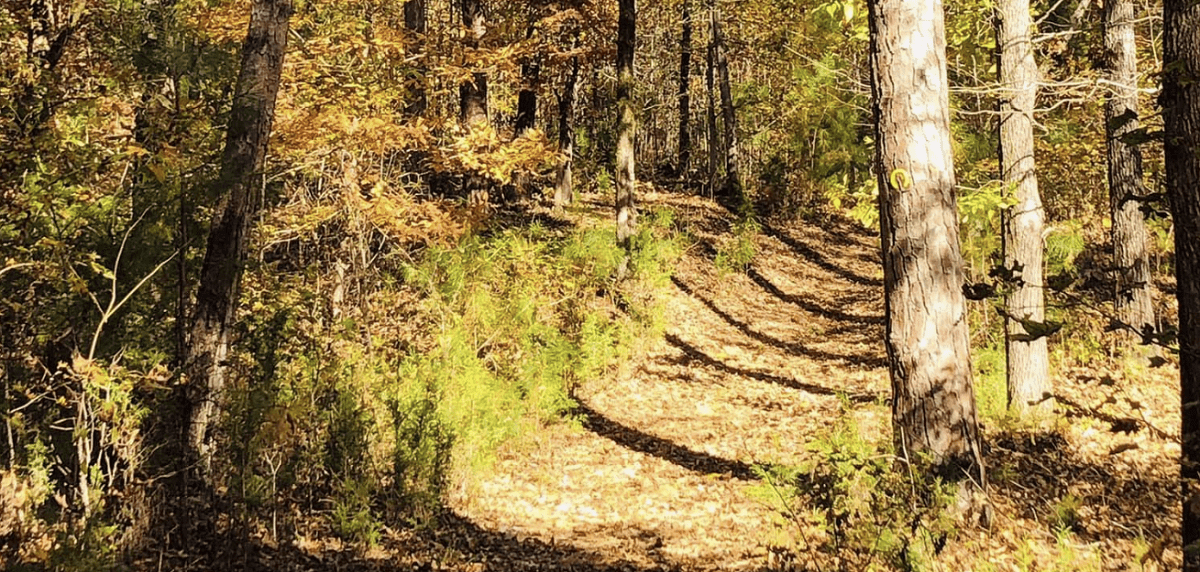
[
  {"x": 810, "y": 307},
  {"x": 808, "y": 253},
  {"x": 636, "y": 440},
  {"x": 692, "y": 353},
  {"x": 792, "y": 348},
  {"x": 448, "y": 542},
  {"x": 1048, "y": 480}
]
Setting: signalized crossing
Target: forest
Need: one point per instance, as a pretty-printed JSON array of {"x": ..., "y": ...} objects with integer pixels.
[{"x": 600, "y": 285}]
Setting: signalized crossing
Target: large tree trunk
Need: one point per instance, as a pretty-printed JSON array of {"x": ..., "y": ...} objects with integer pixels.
[
  {"x": 685, "y": 76},
  {"x": 473, "y": 94},
  {"x": 245, "y": 152},
  {"x": 415, "y": 19},
  {"x": 732, "y": 189},
  {"x": 564, "y": 189},
  {"x": 933, "y": 401},
  {"x": 1131, "y": 261},
  {"x": 1180, "y": 101},
  {"x": 1028, "y": 364},
  {"x": 626, "y": 125}
]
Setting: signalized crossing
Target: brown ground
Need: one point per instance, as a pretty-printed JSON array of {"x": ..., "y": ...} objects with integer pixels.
[{"x": 755, "y": 366}]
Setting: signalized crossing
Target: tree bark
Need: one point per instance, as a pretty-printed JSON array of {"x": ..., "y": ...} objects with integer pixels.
[
  {"x": 1180, "y": 100},
  {"x": 1028, "y": 364},
  {"x": 731, "y": 191},
  {"x": 711, "y": 113},
  {"x": 415, "y": 20},
  {"x": 1131, "y": 259},
  {"x": 220, "y": 276},
  {"x": 933, "y": 401},
  {"x": 626, "y": 125},
  {"x": 564, "y": 189},
  {"x": 527, "y": 107},
  {"x": 685, "y": 76},
  {"x": 473, "y": 94}
]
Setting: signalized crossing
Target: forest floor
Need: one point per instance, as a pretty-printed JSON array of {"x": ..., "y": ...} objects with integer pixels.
[{"x": 754, "y": 367}]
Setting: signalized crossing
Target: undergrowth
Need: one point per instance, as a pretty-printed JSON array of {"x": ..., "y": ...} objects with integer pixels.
[
  {"x": 369, "y": 417},
  {"x": 855, "y": 506}
]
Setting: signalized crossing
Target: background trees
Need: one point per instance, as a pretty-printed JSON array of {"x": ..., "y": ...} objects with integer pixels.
[
  {"x": 389, "y": 332},
  {"x": 1023, "y": 222}
]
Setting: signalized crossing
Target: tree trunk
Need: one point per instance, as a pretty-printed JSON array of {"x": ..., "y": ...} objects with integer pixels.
[
  {"x": 711, "y": 112},
  {"x": 473, "y": 94},
  {"x": 626, "y": 125},
  {"x": 564, "y": 189},
  {"x": 245, "y": 152},
  {"x": 685, "y": 76},
  {"x": 731, "y": 191},
  {"x": 1028, "y": 364},
  {"x": 415, "y": 19},
  {"x": 1180, "y": 100},
  {"x": 527, "y": 106},
  {"x": 472, "y": 97},
  {"x": 1131, "y": 260},
  {"x": 933, "y": 401}
]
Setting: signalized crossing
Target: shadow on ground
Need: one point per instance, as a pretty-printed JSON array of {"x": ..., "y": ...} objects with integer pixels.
[
  {"x": 792, "y": 348},
  {"x": 1046, "y": 480},
  {"x": 642, "y": 442},
  {"x": 692, "y": 353}
]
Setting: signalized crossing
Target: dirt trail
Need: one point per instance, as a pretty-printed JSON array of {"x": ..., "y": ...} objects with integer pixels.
[
  {"x": 753, "y": 367},
  {"x": 750, "y": 370}
]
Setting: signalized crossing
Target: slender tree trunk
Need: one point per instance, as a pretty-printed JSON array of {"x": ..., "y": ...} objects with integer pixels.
[
  {"x": 1028, "y": 364},
  {"x": 1180, "y": 100},
  {"x": 711, "y": 112},
  {"x": 51, "y": 27},
  {"x": 473, "y": 94},
  {"x": 626, "y": 125},
  {"x": 564, "y": 189},
  {"x": 527, "y": 107},
  {"x": 245, "y": 153},
  {"x": 732, "y": 189},
  {"x": 415, "y": 19},
  {"x": 1131, "y": 258},
  {"x": 685, "y": 76},
  {"x": 933, "y": 401}
]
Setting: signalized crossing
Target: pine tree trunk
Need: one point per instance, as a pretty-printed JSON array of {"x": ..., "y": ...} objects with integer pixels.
[
  {"x": 732, "y": 189},
  {"x": 564, "y": 189},
  {"x": 711, "y": 112},
  {"x": 1180, "y": 100},
  {"x": 527, "y": 107},
  {"x": 1028, "y": 364},
  {"x": 415, "y": 20},
  {"x": 626, "y": 125},
  {"x": 933, "y": 401},
  {"x": 241, "y": 164},
  {"x": 473, "y": 94},
  {"x": 1131, "y": 259},
  {"x": 685, "y": 104}
]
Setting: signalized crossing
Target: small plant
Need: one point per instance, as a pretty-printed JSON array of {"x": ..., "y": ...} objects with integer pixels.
[
  {"x": 737, "y": 253},
  {"x": 352, "y": 518},
  {"x": 1066, "y": 514}
]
